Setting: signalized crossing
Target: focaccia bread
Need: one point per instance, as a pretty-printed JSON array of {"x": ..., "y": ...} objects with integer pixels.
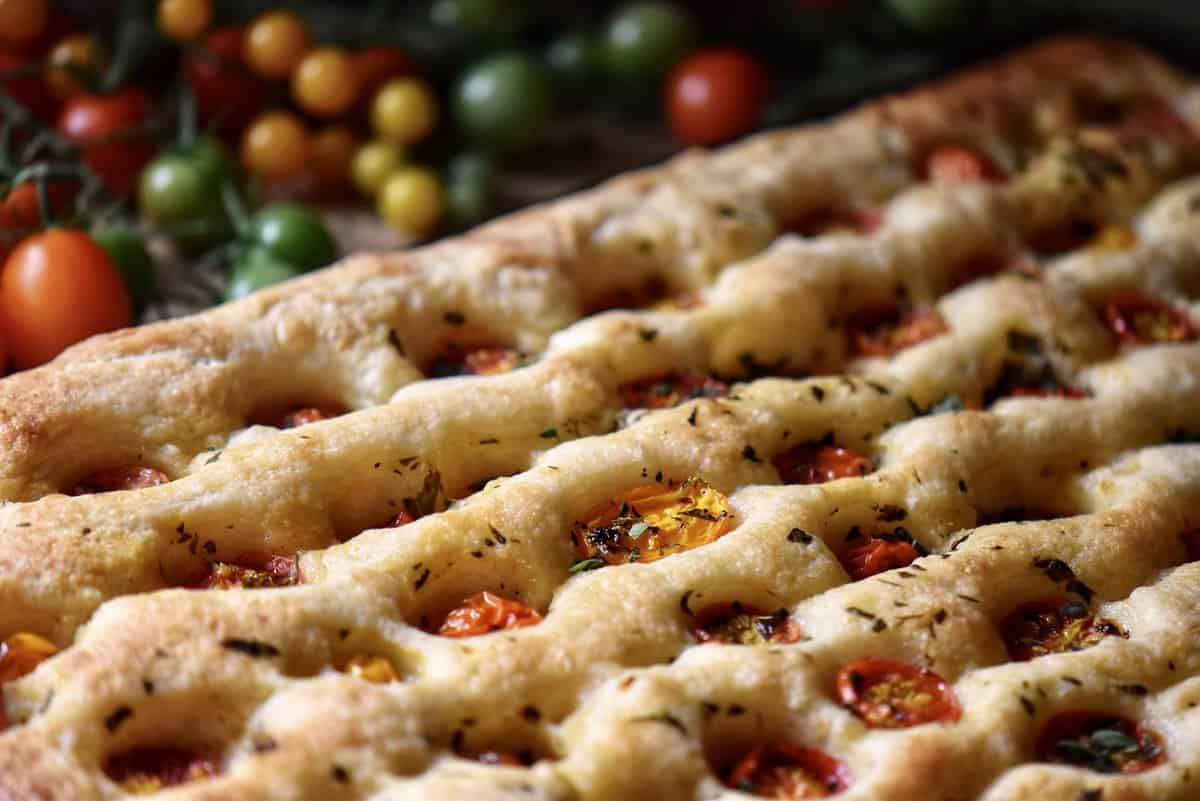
[{"x": 847, "y": 460}]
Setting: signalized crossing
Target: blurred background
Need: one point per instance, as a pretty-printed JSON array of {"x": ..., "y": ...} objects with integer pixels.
[{"x": 203, "y": 149}]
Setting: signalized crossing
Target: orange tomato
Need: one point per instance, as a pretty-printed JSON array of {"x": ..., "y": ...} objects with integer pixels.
[
  {"x": 23, "y": 20},
  {"x": 184, "y": 19},
  {"x": 59, "y": 287},
  {"x": 485, "y": 612},
  {"x": 325, "y": 82},
  {"x": 275, "y": 145},
  {"x": 275, "y": 43}
]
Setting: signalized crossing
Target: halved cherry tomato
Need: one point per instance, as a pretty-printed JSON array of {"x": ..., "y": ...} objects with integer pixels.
[
  {"x": 895, "y": 695},
  {"x": 57, "y": 288},
  {"x": 790, "y": 772},
  {"x": 1053, "y": 626},
  {"x": 868, "y": 554},
  {"x": 486, "y": 612},
  {"x": 303, "y": 415},
  {"x": 715, "y": 94},
  {"x": 110, "y": 130},
  {"x": 740, "y": 624},
  {"x": 372, "y": 668},
  {"x": 487, "y": 360},
  {"x": 955, "y": 164},
  {"x": 885, "y": 330},
  {"x": 650, "y": 522},
  {"x": 117, "y": 479},
  {"x": 1138, "y": 319},
  {"x": 252, "y": 570},
  {"x": 670, "y": 389},
  {"x": 148, "y": 770},
  {"x": 1100, "y": 741},
  {"x": 816, "y": 464},
  {"x": 227, "y": 96},
  {"x": 20, "y": 653}
]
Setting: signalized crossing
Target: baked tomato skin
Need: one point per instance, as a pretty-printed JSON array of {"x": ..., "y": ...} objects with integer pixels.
[
  {"x": 865, "y": 555},
  {"x": 117, "y": 479},
  {"x": 59, "y": 287},
  {"x": 308, "y": 414},
  {"x": 108, "y": 127},
  {"x": 895, "y": 695},
  {"x": 715, "y": 94},
  {"x": 1101, "y": 742},
  {"x": 370, "y": 667},
  {"x": 485, "y": 612},
  {"x": 887, "y": 330},
  {"x": 816, "y": 464},
  {"x": 1138, "y": 319},
  {"x": 483, "y": 360},
  {"x": 1052, "y": 626},
  {"x": 670, "y": 389},
  {"x": 740, "y": 624},
  {"x": 956, "y": 164},
  {"x": 790, "y": 772},
  {"x": 251, "y": 570},
  {"x": 147, "y": 770}
]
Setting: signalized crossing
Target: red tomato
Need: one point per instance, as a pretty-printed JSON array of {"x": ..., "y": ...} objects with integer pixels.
[
  {"x": 1140, "y": 320},
  {"x": 715, "y": 94},
  {"x": 885, "y": 330},
  {"x": 874, "y": 553},
  {"x": 145, "y": 770},
  {"x": 93, "y": 118},
  {"x": 740, "y": 624},
  {"x": 31, "y": 90},
  {"x": 670, "y": 389},
  {"x": 786, "y": 771},
  {"x": 57, "y": 288},
  {"x": 375, "y": 65},
  {"x": 954, "y": 164},
  {"x": 485, "y": 612},
  {"x": 816, "y": 464},
  {"x": 227, "y": 95},
  {"x": 1100, "y": 741},
  {"x": 487, "y": 360},
  {"x": 1053, "y": 626},
  {"x": 895, "y": 695},
  {"x": 116, "y": 479},
  {"x": 20, "y": 209}
]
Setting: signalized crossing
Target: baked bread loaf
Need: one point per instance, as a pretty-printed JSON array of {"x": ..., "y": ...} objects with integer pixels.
[{"x": 846, "y": 460}]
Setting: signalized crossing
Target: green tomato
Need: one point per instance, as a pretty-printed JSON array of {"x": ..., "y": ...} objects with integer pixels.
[
  {"x": 472, "y": 165},
  {"x": 255, "y": 269},
  {"x": 128, "y": 251},
  {"x": 574, "y": 60},
  {"x": 644, "y": 40},
  {"x": 493, "y": 21},
  {"x": 929, "y": 16},
  {"x": 180, "y": 192},
  {"x": 468, "y": 201},
  {"x": 503, "y": 102},
  {"x": 293, "y": 234}
]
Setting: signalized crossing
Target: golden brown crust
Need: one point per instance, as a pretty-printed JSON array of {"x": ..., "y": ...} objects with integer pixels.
[{"x": 609, "y": 694}]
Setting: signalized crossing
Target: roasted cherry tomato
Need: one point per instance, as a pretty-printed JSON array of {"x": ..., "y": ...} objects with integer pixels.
[
  {"x": 255, "y": 269},
  {"x": 670, "y": 389},
  {"x": 485, "y": 360},
  {"x": 714, "y": 95},
  {"x": 227, "y": 96},
  {"x": 275, "y": 145},
  {"x": 74, "y": 53},
  {"x": 23, "y": 20},
  {"x": 955, "y": 164},
  {"x": 93, "y": 120},
  {"x": 372, "y": 668},
  {"x": 789, "y": 772},
  {"x": 739, "y": 624},
  {"x": 148, "y": 770},
  {"x": 57, "y": 288},
  {"x": 325, "y": 82},
  {"x": 411, "y": 201},
  {"x": 485, "y": 612},
  {"x": 895, "y": 695},
  {"x": 376, "y": 65},
  {"x": 816, "y": 464},
  {"x": 332, "y": 153},
  {"x": 293, "y": 234},
  {"x": 503, "y": 102},
  {"x": 180, "y": 192},
  {"x": 20, "y": 653},
  {"x": 128, "y": 252},
  {"x": 252, "y": 570},
  {"x": 184, "y": 19},
  {"x": 643, "y": 40},
  {"x": 304, "y": 415},
  {"x": 118, "y": 479},
  {"x": 1100, "y": 741},
  {"x": 1053, "y": 626},
  {"x": 651, "y": 522},
  {"x": 864, "y": 555},
  {"x": 275, "y": 43},
  {"x": 1137, "y": 319},
  {"x": 885, "y": 330}
]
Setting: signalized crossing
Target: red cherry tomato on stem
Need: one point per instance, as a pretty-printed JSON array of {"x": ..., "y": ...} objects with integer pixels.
[
  {"x": 28, "y": 90},
  {"x": 20, "y": 209},
  {"x": 715, "y": 94},
  {"x": 57, "y": 288},
  {"x": 108, "y": 128},
  {"x": 227, "y": 95}
]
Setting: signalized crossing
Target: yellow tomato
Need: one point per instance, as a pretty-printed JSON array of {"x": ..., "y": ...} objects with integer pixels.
[
  {"x": 411, "y": 200},
  {"x": 404, "y": 110},
  {"x": 76, "y": 51},
  {"x": 184, "y": 19},
  {"x": 325, "y": 82},
  {"x": 275, "y": 145},
  {"x": 332, "y": 151},
  {"x": 275, "y": 43},
  {"x": 373, "y": 163},
  {"x": 22, "y": 20}
]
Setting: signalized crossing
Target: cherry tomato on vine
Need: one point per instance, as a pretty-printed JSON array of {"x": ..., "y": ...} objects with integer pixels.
[
  {"x": 180, "y": 192},
  {"x": 275, "y": 43},
  {"x": 255, "y": 269},
  {"x": 715, "y": 94},
  {"x": 30, "y": 90},
  {"x": 59, "y": 287},
  {"x": 378, "y": 64},
  {"x": 21, "y": 209},
  {"x": 75, "y": 53},
  {"x": 23, "y": 20},
  {"x": 128, "y": 252},
  {"x": 184, "y": 19},
  {"x": 643, "y": 40},
  {"x": 503, "y": 102},
  {"x": 411, "y": 201},
  {"x": 470, "y": 184},
  {"x": 275, "y": 145},
  {"x": 293, "y": 234},
  {"x": 332, "y": 152},
  {"x": 373, "y": 163},
  {"x": 90, "y": 118},
  {"x": 227, "y": 96},
  {"x": 404, "y": 110},
  {"x": 325, "y": 82}
]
